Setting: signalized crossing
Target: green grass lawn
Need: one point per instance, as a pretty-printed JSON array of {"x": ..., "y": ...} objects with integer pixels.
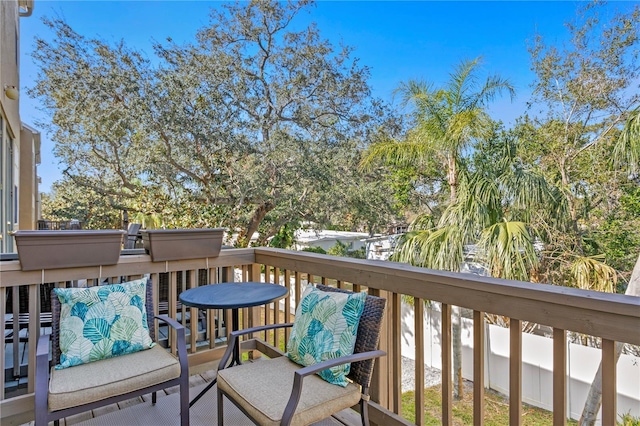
[{"x": 496, "y": 410}]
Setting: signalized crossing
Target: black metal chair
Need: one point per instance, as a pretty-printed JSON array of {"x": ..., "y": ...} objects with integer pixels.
[
  {"x": 134, "y": 238},
  {"x": 62, "y": 393},
  {"x": 271, "y": 391}
]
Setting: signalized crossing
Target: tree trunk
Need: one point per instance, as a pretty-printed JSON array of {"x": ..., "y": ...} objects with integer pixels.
[
  {"x": 456, "y": 323},
  {"x": 254, "y": 223},
  {"x": 456, "y": 338},
  {"x": 594, "y": 397}
]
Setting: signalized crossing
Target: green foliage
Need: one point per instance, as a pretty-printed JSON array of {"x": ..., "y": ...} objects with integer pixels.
[
  {"x": 68, "y": 201},
  {"x": 342, "y": 249},
  {"x": 339, "y": 249},
  {"x": 617, "y": 235},
  {"x": 628, "y": 420},
  {"x": 251, "y": 126},
  {"x": 496, "y": 410},
  {"x": 318, "y": 250},
  {"x": 587, "y": 88},
  {"x": 285, "y": 236}
]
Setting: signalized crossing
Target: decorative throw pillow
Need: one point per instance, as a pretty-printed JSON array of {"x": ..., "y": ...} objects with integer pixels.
[
  {"x": 102, "y": 322},
  {"x": 325, "y": 327}
]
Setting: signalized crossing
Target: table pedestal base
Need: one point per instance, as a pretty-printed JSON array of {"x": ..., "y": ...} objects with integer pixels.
[{"x": 235, "y": 360}]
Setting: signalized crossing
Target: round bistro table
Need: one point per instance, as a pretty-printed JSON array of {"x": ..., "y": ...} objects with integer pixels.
[{"x": 231, "y": 296}]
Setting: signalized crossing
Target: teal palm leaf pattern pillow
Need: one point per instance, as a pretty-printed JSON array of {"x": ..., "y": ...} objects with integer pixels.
[
  {"x": 102, "y": 322},
  {"x": 325, "y": 327}
]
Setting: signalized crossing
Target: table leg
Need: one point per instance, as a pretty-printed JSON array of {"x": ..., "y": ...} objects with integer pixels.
[
  {"x": 234, "y": 327},
  {"x": 234, "y": 360}
]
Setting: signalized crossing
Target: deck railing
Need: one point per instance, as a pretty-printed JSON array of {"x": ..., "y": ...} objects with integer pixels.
[{"x": 610, "y": 317}]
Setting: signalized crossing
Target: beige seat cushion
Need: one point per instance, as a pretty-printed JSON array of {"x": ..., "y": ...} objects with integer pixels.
[
  {"x": 263, "y": 388},
  {"x": 102, "y": 379}
]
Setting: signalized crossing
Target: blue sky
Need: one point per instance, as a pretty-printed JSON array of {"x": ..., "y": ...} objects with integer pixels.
[{"x": 397, "y": 40}]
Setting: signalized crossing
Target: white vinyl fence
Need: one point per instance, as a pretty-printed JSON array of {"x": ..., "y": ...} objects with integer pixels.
[{"x": 537, "y": 367}]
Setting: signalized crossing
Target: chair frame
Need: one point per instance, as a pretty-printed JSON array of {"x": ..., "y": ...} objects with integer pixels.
[
  {"x": 360, "y": 373},
  {"x": 44, "y": 416}
]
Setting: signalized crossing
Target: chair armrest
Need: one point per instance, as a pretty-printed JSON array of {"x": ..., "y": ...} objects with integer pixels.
[
  {"x": 303, "y": 372},
  {"x": 43, "y": 346},
  {"x": 42, "y": 374},
  {"x": 181, "y": 342},
  {"x": 236, "y": 334},
  {"x": 361, "y": 356},
  {"x": 170, "y": 321}
]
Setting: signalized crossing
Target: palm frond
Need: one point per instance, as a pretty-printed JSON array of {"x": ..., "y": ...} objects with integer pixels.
[
  {"x": 591, "y": 273},
  {"x": 412, "y": 90},
  {"x": 436, "y": 249},
  {"x": 507, "y": 247},
  {"x": 398, "y": 153},
  {"x": 422, "y": 222},
  {"x": 463, "y": 79},
  {"x": 478, "y": 205},
  {"x": 493, "y": 87},
  {"x": 526, "y": 190},
  {"x": 626, "y": 151}
]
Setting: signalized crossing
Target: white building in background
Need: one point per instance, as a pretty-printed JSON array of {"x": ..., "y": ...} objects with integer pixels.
[
  {"x": 381, "y": 247},
  {"x": 325, "y": 239}
]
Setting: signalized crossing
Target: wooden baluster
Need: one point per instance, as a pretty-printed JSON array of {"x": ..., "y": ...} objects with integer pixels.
[
  {"x": 515, "y": 372},
  {"x": 229, "y": 277},
  {"x": 559, "y": 377},
  {"x": 418, "y": 305},
  {"x": 173, "y": 297},
  {"x": 380, "y": 380},
  {"x": 447, "y": 404},
  {"x": 193, "y": 313},
  {"x": 254, "y": 274},
  {"x": 15, "y": 300},
  {"x": 34, "y": 334},
  {"x": 287, "y": 305},
  {"x": 478, "y": 368},
  {"x": 276, "y": 310},
  {"x": 267, "y": 307},
  {"x": 609, "y": 378},
  {"x": 298, "y": 284},
  {"x": 397, "y": 353}
]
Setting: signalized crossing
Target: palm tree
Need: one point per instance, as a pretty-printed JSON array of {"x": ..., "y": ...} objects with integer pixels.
[{"x": 447, "y": 120}]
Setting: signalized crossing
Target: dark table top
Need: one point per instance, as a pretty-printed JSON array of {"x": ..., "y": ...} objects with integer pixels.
[{"x": 232, "y": 295}]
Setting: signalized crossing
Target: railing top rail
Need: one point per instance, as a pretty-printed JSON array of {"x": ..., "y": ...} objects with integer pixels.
[
  {"x": 612, "y": 316},
  {"x": 11, "y": 273}
]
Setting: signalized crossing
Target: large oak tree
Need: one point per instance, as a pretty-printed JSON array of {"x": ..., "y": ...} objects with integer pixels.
[{"x": 240, "y": 127}]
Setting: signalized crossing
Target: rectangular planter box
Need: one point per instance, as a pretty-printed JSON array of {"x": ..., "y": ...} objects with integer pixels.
[
  {"x": 68, "y": 249},
  {"x": 178, "y": 244}
]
